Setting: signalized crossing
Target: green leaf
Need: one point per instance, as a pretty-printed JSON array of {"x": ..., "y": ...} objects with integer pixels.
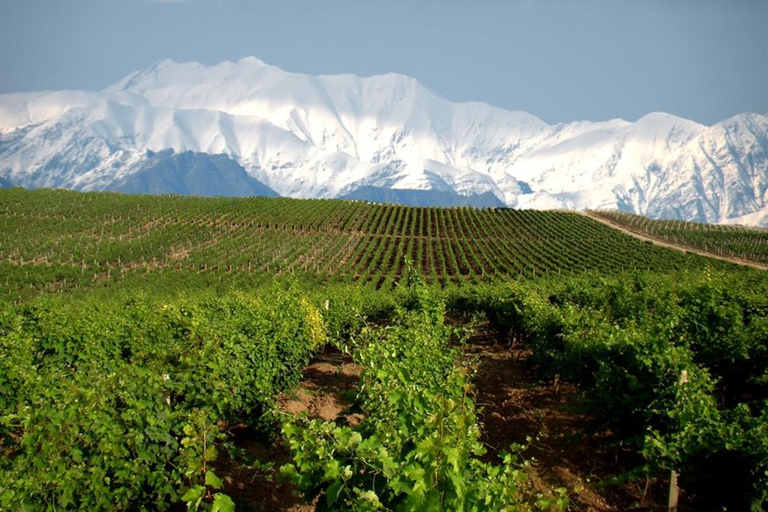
[
  {"x": 333, "y": 492},
  {"x": 332, "y": 471},
  {"x": 370, "y": 497},
  {"x": 413, "y": 472},
  {"x": 193, "y": 493},
  {"x": 288, "y": 473},
  {"x": 222, "y": 503},
  {"x": 210, "y": 454},
  {"x": 452, "y": 454},
  {"x": 213, "y": 480},
  {"x": 193, "y": 497}
]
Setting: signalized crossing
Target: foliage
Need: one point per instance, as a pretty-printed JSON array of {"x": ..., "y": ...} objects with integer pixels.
[
  {"x": 675, "y": 367},
  {"x": 117, "y": 405},
  {"x": 418, "y": 446}
]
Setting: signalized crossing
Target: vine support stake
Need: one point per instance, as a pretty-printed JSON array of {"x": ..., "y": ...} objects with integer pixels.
[{"x": 673, "y": 491}]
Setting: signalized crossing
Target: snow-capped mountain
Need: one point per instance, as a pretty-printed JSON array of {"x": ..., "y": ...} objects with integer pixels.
[{"x": 378, "y": 138}]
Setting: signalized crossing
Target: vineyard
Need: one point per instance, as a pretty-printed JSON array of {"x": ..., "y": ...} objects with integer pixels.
[
  {"x": 170, "y": 353},
  {"x": 739, "y": 242},
  {"x": 55, "y": 240}
]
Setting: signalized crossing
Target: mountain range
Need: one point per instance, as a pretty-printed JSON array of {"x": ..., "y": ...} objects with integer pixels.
[{"x": 248, "y": 128}]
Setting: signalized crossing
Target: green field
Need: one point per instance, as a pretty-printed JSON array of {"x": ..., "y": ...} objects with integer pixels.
[
  {"x": 66, "y": 240},
  {"x": 156, "y": 353},
  {"x": 739, "y": 242}
]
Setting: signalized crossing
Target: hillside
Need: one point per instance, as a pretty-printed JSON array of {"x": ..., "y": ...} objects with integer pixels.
[{"x": 55, "y": 240}]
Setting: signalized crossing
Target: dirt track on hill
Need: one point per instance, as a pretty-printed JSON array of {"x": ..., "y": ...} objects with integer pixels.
[{"x": 662, "y": 243}]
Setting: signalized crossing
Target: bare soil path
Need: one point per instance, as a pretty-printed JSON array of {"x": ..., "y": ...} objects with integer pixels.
[
  {"x": 562, "y": 443},
  {"x": 326, "y": 390},
  {"x": 663, "y": 243}
]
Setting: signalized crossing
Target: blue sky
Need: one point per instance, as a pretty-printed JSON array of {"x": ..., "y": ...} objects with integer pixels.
[{"x": 561, "y": 60}]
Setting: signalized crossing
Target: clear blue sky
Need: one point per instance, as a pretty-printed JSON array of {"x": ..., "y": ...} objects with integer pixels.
[{"x": 561, "y": 60}]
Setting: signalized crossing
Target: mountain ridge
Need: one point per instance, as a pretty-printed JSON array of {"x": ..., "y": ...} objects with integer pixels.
[{"x": 328, "y": 135}]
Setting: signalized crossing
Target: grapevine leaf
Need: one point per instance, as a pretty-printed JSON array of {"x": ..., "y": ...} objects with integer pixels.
[
  {"x": 213, "y": 480},
  {"x": 222, "y": 503},
  {"x": 333, "y": 492}
]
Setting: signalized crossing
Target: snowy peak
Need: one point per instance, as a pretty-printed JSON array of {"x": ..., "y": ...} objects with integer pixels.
[
  {"x": 251, "y": 88},
  {"x": 384, "y": 136},
  {"x": 169, "y": 72},
  {"x": 21, "y": 109}
]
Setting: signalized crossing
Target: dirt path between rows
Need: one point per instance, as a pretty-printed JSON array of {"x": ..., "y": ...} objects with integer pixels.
[
  {"x": 326, "y": 390},
  {"x": 563, "y": 445},
  {"x": 662, "y": 243},
  {"x": 515, "y": 407}
]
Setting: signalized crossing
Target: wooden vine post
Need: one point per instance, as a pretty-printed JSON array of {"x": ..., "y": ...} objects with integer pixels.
[{"x": 673, "y": 489}]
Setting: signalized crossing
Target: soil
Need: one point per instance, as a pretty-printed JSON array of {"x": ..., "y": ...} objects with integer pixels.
[
  {"x": 562, "y": 442},
  {"x": 326, "y": 390}
]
